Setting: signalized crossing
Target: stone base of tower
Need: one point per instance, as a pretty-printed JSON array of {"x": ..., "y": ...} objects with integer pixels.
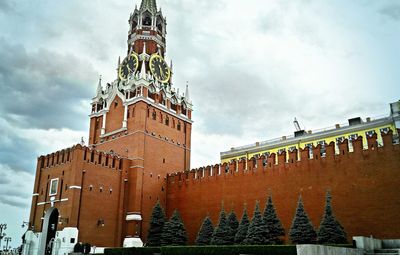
[
  {"x": 63, "y": 243},
  {"x": 133, "y": 242}
]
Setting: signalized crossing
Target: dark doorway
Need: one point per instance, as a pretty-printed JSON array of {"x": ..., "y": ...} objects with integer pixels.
[{"x": 49, "y": 231}]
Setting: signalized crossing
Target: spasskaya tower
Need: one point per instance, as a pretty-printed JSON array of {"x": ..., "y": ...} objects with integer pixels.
[
  {"x": 140, "y": 131},
  {"x": 142, "y": 117}
]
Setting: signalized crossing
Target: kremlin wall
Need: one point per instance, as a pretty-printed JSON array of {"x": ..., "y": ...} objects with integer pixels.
[{"x": 364, "y": 186}]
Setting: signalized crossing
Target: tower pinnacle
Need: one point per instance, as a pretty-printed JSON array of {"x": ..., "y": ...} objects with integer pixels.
[{"x": 99, "y": 87}]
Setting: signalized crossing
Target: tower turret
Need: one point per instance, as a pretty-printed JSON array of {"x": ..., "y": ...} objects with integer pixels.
[{"x": 147, "y": 25}]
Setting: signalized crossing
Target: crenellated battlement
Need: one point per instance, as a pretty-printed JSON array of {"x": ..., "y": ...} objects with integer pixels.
[
  {"x": 79, "y": 152},
  {"x": 296, "y": 157},
  {"x": 360, "y": 173}
]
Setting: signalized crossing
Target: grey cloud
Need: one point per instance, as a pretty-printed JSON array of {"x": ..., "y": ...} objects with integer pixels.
[
  {"x": 391, "y": 11},
  {"x": 7, "y": 5},
  {"x": 14, "y": 202},
  {"x": 42, "y": 89},
  {"x": 235, "y": 99},
  {"x": 17, "y": 153},
  {"x": 4, "y": 180}
]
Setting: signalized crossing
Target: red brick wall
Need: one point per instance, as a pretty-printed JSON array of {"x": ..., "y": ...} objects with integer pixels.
[
  {"x": 115, "y": 116},
  {"x": 84, "y": 207},
  {"x": 364, "y": 187},
  {"x": 155, "y": 148}
]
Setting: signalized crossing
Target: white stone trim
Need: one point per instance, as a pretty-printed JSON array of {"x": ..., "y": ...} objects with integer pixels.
[
  {"x": 114, "y": 132},
  {"x": 35, "y": 194},
  {"x": 53, "y": 201},
  {"x": 75, "y": 187},
  {"x": 137, "y": 167},
  {"x": 134, "y": 217}
]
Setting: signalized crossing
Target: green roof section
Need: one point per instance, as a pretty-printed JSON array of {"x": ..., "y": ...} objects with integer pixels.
[{"x": 150, "y": 5}]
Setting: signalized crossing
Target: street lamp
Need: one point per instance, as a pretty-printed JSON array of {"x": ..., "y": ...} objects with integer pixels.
[
  {"x": 2, "y": 235},
  {"x": 7, "y": 239}
]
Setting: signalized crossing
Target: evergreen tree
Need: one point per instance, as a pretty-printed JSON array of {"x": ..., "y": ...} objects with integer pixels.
[
  {"x": 174, "y": 232},
  {"x": 243, "y": 227},
  {"x": 302, "y": 230},
  {"x": 257, "y": 232},
  {"x": 330, "y": 231},
  {"x": 157, "y": 222},
  {"x": 274, "y": 225},
  {"x": 221, "y": 235},
  {"x": 233, "y": 223},
  {"x": 206, "y": 232}
]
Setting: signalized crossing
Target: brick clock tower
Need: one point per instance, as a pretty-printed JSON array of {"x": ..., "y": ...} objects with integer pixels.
[
  {"x": 140, "y": 131},
  {"x": 140, "y": 116}
]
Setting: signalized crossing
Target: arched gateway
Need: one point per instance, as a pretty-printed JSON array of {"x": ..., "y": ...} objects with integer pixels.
[{"x": 48, "y": 231}]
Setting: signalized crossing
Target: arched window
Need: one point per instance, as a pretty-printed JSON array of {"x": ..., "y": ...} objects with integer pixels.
[
  {"x": 154, "y": 115},
  {"x": 146, "y": 21},
  {"x": 151, "y": 92},
  {"x": 184, "y": 109},
  {"x": 162, "y": 99},
  {"x": 159, "y": 25},
  {"x": 134, "y": 23},
  {"x": 179, "y": 126},
  {"x": 167, "y": 121},
  {"x": 174, "y": 104}
]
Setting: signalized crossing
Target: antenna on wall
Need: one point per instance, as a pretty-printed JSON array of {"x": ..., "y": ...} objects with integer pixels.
[{"x": 296, "y": 125}]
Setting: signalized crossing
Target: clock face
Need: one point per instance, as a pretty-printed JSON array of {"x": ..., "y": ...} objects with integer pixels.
[
  {"x": 128, "y": 66},
  {"x": 159, "y": 68}
]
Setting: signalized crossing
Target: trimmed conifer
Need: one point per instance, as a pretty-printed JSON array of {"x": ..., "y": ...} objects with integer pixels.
[
  {"x": 302, "y": 230},
  {"x": 206, "y": 232},
  {"x": 221, "y": 235},
  {"x": 257, "y": 233},
  {"x": 233, "y": 223},
  {"x": 243, "y": 227},
  {"x": 174, "y": 232},
  {"x": 276, "y": 232},
  {"x": 157, "y": 222},
  {"x": 330, "y": 231}
]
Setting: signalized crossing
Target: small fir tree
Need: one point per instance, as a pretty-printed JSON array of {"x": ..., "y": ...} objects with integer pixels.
[
  {"x": 174, "y": 232},
  {"x": 221, "y": 235},
  {"x": 257, "y": 232},
  {"x": 157, "y": 222},
  {"x": 233, "y": 223},
  {"x": 274, "y": 225},
  {"x": 302, "y": 230},
  {"x": 243, "y": 227},
  {"x": 206, "y": 232},
  {"x": 330, "y": 231}
]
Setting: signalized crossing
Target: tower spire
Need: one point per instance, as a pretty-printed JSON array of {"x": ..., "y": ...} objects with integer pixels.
[{"x": 150, "y": 5}]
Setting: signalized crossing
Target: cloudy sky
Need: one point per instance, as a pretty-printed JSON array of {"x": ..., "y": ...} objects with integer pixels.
[{"x": 252, "y": 67}]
